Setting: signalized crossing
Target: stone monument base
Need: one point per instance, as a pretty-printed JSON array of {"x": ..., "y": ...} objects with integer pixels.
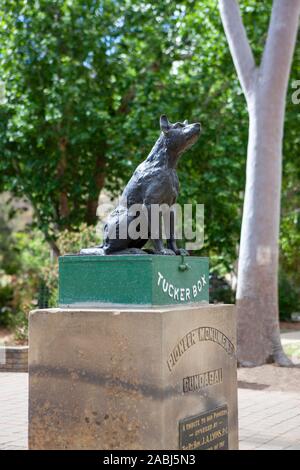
[{"x": 150, "y": 379}]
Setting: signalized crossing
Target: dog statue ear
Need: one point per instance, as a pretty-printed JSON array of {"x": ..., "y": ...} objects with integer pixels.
[
  {"x": 185, "y": 122},
  {"x": 164, "y": 124}
]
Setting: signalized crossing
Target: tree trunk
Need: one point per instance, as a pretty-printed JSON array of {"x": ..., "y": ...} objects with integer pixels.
[
  {"x": 265, "y": 89},
  {"x": 257, "y": 292}
]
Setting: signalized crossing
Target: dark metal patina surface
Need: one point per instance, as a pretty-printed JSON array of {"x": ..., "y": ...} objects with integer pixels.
[
  {"x": 206, "y": 431},
  {"x": 154, "y": 182}
]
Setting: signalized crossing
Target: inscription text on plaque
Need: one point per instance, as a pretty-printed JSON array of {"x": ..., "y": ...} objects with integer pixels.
[{"x": 207, "y": 430}]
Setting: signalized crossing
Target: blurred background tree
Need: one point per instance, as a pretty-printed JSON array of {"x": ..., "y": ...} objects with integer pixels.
[{"x": 83, "y": 84}]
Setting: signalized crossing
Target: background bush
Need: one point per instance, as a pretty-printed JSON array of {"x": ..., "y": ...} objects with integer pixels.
[
  {"x": 34, "y": 274},
  {"x": 82, "y": 86}
]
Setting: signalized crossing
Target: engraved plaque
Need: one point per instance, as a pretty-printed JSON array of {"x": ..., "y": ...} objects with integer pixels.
[{"x": 207, "y": 430}]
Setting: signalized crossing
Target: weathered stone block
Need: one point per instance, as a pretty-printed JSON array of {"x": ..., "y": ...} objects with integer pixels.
[{"x": 133, "y": 379}]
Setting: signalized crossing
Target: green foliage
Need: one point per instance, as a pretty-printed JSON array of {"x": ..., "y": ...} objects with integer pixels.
[
  {"x": 8, "y": 265},
  {"x": 220, "y": 290},
  {"x": 67, "y": 242},
  {"x": 7, "y": 254},
  {"x": 289, "y": 291},
  {"x": 35, "y": 267},
  {"x": 28, "y": 252},
  {"x": 6, "y": 295},
  {"x": 83, "y": 85},
  {"x": 71, "y": 71},
  {"x": 289, "y": 297}
]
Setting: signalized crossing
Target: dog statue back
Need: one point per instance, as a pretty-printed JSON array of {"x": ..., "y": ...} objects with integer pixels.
[{"x": 154, "y": 182}]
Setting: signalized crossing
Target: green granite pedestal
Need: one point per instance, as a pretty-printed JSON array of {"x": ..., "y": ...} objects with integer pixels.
[{"x": 148, "y": 280}]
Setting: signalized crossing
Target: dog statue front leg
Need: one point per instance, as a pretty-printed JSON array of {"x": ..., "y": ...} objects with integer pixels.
[
  {"x": 155, "y": 233},
  {"x": 171, "y": 242},
  {"x": 160, "y": 249}
]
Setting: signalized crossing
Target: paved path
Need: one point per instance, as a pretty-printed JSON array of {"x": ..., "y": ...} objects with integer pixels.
[
  {"x": 268, "y": 419},
  {"x": 290, "y": 337},
  {"x": 13, "y": 410},
  {"x": 291, "y": 345}
]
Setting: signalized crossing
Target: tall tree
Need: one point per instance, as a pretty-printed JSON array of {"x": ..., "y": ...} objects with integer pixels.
[
  {"x": 83, "y": 85},
  {"x": 70, "y": 72},
  {"x": 119, "y": 65},
  {"x": 264, "y": 87}
]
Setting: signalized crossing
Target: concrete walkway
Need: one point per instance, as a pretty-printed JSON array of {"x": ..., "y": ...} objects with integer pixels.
[
  {"x": 267, "y": 419},
  {"x": 13, "y": 410},
  {"x": 290, "y": 337},
  {"x": 291, "y": 345}
]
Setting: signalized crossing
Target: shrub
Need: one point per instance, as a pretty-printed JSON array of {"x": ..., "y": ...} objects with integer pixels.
[
  {"x": 289, "y": 297},
  {"x": 220, "y": 290},
  {"x": 35, "y": 279},
  {"x": 67, "y": 242}
]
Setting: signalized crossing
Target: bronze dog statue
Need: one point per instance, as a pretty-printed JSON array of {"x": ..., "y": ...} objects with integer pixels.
[{"x": 154, "y": 182}]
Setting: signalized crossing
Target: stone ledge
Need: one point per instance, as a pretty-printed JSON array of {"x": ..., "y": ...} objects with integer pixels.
[{"x": 13, "y": 358}]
